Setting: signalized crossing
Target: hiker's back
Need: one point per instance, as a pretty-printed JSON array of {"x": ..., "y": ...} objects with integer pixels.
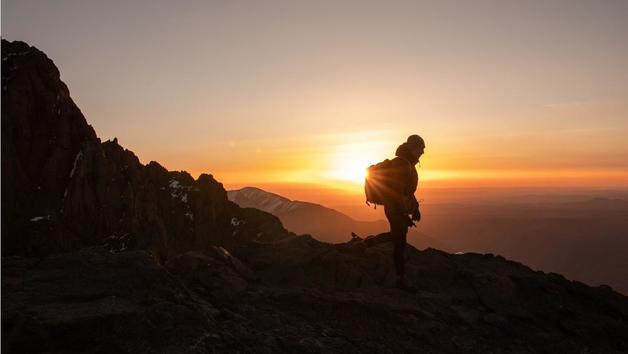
[{"x": 387, "y": 182}]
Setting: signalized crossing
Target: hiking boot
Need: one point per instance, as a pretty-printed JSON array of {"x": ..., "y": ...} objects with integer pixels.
[{"x": 403, "y": 285}]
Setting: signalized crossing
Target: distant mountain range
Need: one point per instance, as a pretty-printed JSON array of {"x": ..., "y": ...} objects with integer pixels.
[{"x": 252, "y": 197}]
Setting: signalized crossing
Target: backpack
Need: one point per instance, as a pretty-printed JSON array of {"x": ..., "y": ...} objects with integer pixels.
[{"x": 377, "y": 182}]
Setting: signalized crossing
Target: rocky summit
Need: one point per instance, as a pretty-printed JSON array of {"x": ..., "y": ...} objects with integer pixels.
[{"x": 103, "y": 254}]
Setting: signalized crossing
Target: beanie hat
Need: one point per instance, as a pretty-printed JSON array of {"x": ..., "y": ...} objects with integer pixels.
[{"x": 415, "y": 140}]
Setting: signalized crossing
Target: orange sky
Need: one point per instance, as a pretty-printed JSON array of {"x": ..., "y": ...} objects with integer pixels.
[{"x": 295, "y": 93}]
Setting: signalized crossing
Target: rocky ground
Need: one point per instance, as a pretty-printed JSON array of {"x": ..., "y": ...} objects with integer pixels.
[{"x": 300, "y": 295}]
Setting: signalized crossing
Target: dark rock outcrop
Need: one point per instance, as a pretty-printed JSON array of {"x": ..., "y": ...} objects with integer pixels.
[
  {"x": 63, "y": 189},
  {"x": 104, "y": 254}
]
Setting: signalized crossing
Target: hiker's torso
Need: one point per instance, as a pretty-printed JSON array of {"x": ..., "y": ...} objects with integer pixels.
[
  {"x": 404, "y": 180},
  {"x": 409, "y": 177}
]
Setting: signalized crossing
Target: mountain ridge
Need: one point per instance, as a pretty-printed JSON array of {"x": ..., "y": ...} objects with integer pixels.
[{"x": 268, "y": 201}]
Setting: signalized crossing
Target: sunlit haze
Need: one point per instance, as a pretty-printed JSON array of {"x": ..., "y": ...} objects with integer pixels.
[{"x": 505, "y": 93}]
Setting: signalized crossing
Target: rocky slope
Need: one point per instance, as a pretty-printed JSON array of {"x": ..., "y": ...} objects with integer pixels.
[
  {"x": 64, "y": 189},
  {"x": 101, "y": 253}
]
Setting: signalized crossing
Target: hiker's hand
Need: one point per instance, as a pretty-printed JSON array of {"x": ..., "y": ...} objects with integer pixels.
[{"x": 416, "y": 216}]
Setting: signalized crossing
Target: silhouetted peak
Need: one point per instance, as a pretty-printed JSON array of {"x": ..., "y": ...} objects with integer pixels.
[{"x": 63, "y": 189}]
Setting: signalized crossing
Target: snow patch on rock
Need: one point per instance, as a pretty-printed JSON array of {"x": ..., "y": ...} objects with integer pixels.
[{"x": 235, "y": 221}]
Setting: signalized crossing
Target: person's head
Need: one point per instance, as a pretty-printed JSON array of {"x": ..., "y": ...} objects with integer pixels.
[{"x": 416, "y": 145}]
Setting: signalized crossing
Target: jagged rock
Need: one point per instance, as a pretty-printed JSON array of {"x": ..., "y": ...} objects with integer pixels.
[
  {"x": 215, "y": 273},
  {"x": 63, "y": 189}
]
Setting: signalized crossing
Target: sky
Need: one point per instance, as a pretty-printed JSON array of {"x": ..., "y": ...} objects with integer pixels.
[{"x": 505, "y": 93}]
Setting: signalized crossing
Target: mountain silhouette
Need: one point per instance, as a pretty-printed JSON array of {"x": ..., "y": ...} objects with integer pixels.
[
  {"x": 63, "y": 188},
  {"x": 101, "y": 253}
]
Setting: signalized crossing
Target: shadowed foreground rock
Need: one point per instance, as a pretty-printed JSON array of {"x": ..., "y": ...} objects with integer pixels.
[
  {"x": 103, "y": 254},
  {"x": 302, "y": 295}
]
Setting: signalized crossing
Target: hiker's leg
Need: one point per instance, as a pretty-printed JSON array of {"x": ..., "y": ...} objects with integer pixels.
[
  {"x": 398, "y": 229},
  {"x": 399, "y": 234},
  {"x": 388, "y": 237}
]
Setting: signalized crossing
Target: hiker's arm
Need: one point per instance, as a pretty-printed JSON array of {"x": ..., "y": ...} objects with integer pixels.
[
  {"x": 402, "y": 195},
  {"x": 410, "y": 203},
  {"x": 416, "y": 213}
]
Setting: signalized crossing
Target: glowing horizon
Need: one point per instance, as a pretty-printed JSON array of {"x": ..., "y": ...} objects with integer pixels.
[
  {"x": 339, "y": 161},
  {"x": 504, "y": 94}
]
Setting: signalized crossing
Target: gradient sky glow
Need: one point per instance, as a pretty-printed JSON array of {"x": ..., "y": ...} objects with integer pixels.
[{"x": 504, "y": 92}]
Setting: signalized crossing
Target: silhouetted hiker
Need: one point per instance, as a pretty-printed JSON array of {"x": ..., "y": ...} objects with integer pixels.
[{"x": 393, "y": 184}]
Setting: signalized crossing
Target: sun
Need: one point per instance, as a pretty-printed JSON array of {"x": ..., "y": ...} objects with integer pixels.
[
  {"x": 350, "y": 170},
  {"x": 349, "y": 163}
]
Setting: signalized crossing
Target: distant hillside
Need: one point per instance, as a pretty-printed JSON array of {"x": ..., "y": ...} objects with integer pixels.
[
  {"x": 585, "y": 239},
  {"x": 251, "y": 197}
]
